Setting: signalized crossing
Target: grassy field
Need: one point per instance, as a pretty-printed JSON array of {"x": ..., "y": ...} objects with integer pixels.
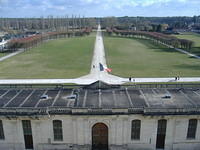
[
  {"x": 141, "y": 58},
  {"x": 3, "y": 54},
  {"x": 193, "y": 37},
  {"x": 63, "y": 58}
]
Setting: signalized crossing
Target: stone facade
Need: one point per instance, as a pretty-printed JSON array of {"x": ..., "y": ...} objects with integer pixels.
[{"x": 77, "y": 132}]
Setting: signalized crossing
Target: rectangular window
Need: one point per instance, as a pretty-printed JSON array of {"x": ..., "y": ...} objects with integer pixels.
[
  {"x": 27, "y": 127},
  {"x": 1, "y": 131},
  {"x": 161, "y": 133},
  {"x": 57, "y": 130},
  {"x": 135, "y": 131},
  {"x": 28, "y": 138},
  {"x": 162, "y": 126},
  {"x": 192, "y": 127}
]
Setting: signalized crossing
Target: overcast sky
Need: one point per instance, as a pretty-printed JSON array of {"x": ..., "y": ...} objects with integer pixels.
[{"x": 98, "y": 8}]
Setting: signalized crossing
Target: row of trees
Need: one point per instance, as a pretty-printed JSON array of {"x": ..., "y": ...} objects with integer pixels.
[
  {"x": 31, "y": 41},
  {"x": 72, "y": 22},
  {"x": 155, "y": 36},
  {"x": 48, "y": 23}
]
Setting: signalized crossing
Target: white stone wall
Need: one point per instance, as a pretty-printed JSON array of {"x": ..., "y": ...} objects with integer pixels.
[{"x": 77, "y": 131}]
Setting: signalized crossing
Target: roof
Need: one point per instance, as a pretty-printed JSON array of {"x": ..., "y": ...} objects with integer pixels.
[{"x": 98, "y": 101}]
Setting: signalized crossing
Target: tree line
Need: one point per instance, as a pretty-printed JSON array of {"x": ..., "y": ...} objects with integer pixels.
[
  {"x": 150, "y": 23},
  {"x": 49, "y": 23},
  {"x": 155, "y": 36},
  {"x": 34, "y": 40},
  {"x": 74, "y": 22}
]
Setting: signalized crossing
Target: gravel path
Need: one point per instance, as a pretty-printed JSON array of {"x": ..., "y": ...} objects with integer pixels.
[{"x": 99, "y": 58}]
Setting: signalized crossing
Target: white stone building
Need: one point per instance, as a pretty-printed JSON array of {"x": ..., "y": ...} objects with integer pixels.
[{"x": 123, "y": 118}]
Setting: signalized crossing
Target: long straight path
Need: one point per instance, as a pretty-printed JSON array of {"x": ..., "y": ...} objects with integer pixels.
[
  {"x": 97, "y": 72},
  {"x": 98, "y": 55}
]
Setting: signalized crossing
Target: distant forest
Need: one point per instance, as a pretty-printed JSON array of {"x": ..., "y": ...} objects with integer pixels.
[{"x": 51, "y": 23}]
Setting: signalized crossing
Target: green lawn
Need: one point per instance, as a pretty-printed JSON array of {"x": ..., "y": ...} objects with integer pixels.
[
  {"x": 141, "y": 58},
  {"x": 3, "y": 54},
  {"x": 193, "y": 37},
  {"x": 63, "y": 58}
]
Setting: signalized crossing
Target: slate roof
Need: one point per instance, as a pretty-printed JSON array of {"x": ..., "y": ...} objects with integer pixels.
[{"x": 97, "y": 101}]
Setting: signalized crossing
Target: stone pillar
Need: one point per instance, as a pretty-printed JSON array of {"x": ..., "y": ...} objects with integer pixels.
[
  {"x": 119, "y": 131},
  {"x": 36, "y": 133},
  {"x": 74, "y": 128},
  {"x": 80, "y": 131},
  {"x": 113, "y": 132},
  {"x": 125, "y": 131},
  {"x": 154, "y": 124},
  {"x": 170, "y": 133}
]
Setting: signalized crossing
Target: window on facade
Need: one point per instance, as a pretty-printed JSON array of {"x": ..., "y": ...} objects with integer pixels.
[
  {"x": 26, "y": 124},
  {"x": 162, "y": 126},
  {"x": 57, "y": 130},
  {"x": 1, "y": 131},
  {"x": 135, "y": 130},
  {"x": 28, "y": 138},
  {"x": 192, "y": 127}
]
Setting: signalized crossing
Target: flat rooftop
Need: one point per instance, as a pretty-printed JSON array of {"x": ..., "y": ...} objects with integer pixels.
[{"x": 94, "y": 101}]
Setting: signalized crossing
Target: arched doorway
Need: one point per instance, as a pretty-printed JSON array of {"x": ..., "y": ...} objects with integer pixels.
[{"x": 100, "y": 137}]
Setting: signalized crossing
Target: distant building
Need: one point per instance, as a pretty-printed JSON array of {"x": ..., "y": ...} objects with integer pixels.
[
  {"x": 134, "y": 28},
  {"x": 100, "y": 116},
  {"x": 3, "y": 45}
]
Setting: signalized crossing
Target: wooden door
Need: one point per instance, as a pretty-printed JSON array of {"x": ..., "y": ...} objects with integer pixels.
[{"x": 99, "y": 137}]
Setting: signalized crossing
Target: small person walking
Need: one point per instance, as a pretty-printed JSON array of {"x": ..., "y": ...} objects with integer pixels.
[
  {"x": 129, "y": 79},
  {"x": 178, "y": 77}
]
